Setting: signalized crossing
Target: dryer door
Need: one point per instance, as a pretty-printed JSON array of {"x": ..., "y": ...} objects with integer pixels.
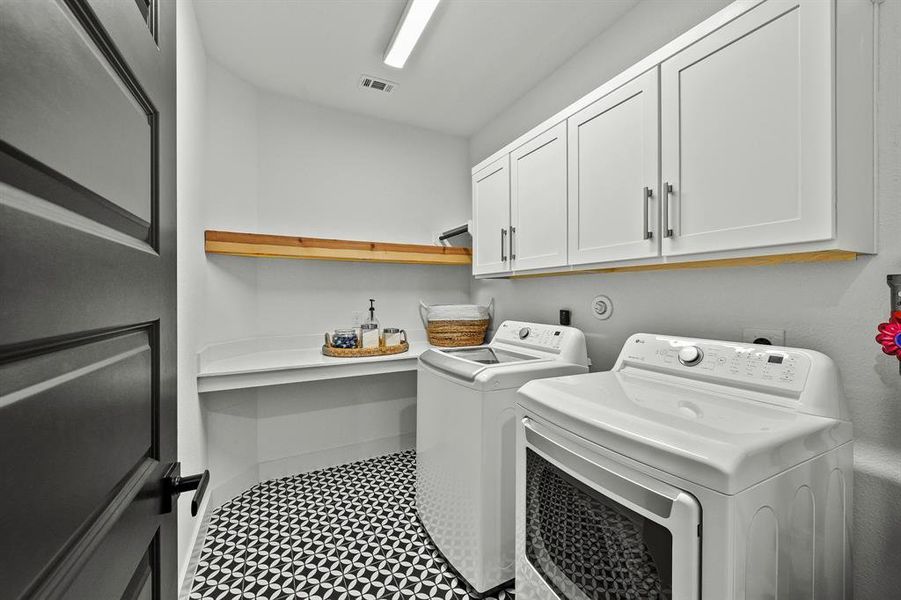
[{"x": 596, "y": 529}]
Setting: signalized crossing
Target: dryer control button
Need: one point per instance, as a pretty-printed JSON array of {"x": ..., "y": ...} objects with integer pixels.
[
  {"x": 690, "y": 355},
  {"x": 524, "y": 333}
]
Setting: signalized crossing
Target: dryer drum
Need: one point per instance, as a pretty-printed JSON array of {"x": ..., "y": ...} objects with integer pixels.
[{"x": 586, "y": 545}]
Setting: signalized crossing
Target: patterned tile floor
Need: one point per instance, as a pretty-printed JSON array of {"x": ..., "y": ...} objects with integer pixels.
[{"x": 345, "y": 532}]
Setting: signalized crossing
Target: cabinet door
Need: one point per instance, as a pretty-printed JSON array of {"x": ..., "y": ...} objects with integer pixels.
[
  {"x": 614, "y": 174},
  {"x": 491, "y": 218},
  {"x": 747, "y": 132},
  {"x": 538, "y": 201}
]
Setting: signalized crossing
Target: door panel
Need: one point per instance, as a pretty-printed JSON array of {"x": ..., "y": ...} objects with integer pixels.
[
  {"x": 613, "y": 159},
  {"x": 538, "y": 201},
  {"x": 96, "y": 442},
  {"x": 87, "y": 282},
  {"x": 108, "y": 147},
  {"x": 112, "y": 287},
  {"x": 491, "y": 218},
  {"x": 743, "y": 142},
  {"x": 119, "y": 567}
]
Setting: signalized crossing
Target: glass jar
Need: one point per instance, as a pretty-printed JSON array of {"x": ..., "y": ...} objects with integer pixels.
[{"x": 344, "y": 338}]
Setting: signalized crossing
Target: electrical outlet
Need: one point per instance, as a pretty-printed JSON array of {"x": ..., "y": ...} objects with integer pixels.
[{"x": 773, "y": 337}]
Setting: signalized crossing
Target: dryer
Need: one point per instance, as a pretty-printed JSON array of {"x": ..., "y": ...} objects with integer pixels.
[
  {"x": 693, "y": 469},
  {"x": 465, "y": 441}
]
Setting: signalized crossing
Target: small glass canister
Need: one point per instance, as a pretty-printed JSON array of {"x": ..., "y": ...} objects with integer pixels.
[
  {"x": 344, "y": 338},
  {"x": 369, "y": 335},
  {"x": 393, "y": 336}
]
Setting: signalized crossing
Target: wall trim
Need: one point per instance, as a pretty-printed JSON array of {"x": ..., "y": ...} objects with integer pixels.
[{"x": 190, "y": 567}]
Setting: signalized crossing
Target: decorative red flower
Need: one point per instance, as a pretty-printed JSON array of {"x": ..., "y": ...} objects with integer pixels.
[{"x": 890, "y": 335}]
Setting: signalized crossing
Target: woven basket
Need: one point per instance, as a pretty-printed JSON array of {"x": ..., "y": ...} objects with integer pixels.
[
  {"x": 451, "y": 333},
  {"x": 457, "y": 333}
]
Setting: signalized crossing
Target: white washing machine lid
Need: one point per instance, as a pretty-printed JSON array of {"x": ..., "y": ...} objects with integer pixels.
[
  {"x": 493, "y": 368},
  {"x": 716, "y": 439},
  {"x": 520, "y": 351}
]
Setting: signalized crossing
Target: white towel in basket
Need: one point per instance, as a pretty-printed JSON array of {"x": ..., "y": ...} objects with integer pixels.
[{"x": 455, "y": 312}]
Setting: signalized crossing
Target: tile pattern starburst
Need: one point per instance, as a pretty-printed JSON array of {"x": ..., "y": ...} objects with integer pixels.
[{"x": 347, "y": 532}]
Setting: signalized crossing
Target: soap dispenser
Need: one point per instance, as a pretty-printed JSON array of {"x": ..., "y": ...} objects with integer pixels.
[{"x": 370, "y": 328}]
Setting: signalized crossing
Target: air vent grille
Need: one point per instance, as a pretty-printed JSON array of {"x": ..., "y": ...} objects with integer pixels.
[{"x": 379, "y": 85}]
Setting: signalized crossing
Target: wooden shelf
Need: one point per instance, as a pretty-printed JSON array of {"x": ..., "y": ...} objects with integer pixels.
[{"x": 285, "y": 246}]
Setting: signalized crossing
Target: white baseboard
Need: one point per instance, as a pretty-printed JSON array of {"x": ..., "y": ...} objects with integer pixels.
[
  {"x": 331, "y": 457},
  {"x": 227, "y": 490},
  {"x": 186, "y": 575}
]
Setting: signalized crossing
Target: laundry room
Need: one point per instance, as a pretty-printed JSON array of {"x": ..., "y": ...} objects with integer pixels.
[{"x": 459, "y": 299}]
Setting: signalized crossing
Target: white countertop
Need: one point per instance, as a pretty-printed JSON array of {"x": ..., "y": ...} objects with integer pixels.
[{"x": 259, "y": 362}]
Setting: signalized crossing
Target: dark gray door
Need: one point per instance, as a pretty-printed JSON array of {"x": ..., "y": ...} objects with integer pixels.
[{"x": 87, "y": 298}]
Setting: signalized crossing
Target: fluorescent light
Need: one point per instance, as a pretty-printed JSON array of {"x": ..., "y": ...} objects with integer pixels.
[{"x": 412, "y": 24}]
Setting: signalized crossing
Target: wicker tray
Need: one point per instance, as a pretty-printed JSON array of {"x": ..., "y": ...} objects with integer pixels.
[{"x": 329, "y": 350}]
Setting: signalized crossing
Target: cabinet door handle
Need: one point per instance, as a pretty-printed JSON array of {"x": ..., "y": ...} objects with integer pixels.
[
  {"x": 667, "y": 194},
  {"x": 503, "y": 244},
  {"x": 512, "y": 248},
  {"x": 646, "y": 200}
]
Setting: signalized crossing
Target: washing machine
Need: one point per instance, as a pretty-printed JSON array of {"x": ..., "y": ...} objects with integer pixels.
[
  {"x": 693, "y": 469},
  {"x": 466, "y": 441}
]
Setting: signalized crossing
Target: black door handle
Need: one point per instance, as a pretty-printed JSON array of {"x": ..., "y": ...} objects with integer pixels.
[{"x": 174, "y": 484}]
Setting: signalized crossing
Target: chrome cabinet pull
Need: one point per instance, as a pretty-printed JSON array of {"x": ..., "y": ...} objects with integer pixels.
[
  {"x": 503, "y": 244},
  {"x": 667, "y": 194},
  {"x": 646, "y": 200},
  {"x": 512, "y": 248}
]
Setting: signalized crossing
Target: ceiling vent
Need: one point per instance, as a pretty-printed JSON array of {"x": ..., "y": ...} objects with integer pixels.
[{"x": 379, "y": 85}]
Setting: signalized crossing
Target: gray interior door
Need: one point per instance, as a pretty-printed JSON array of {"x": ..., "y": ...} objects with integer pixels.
[{"x": 87, "y": 298}]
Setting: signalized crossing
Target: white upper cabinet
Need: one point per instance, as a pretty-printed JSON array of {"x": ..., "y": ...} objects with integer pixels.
[
  {"x": 491, "y": 218},
  {"x": 614, "y": 175},
  {"x": 746, "y": 132},
  {"x": 749, "y": 135},
  {"x": 538, "y": 201}
]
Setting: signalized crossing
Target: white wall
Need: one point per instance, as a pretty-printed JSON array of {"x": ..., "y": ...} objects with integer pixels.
[
  {"x": 279, "y": 165},
  {"x": 217, "y": 186},
  {"x": 310, "y": 426},
  {"x": 329, "y": 173},
  {"x": 282, "y": 166},
  {"x": 833, "y": 308},
  {"x": 191, "y": 108},
  {"x": 230, "y": 419},
  {"x": 231, "y": 190}
]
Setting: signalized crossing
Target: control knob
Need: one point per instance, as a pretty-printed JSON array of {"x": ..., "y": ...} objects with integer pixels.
[
  {"x": 690, "y": 355},
  {"x": 524, "y": 333}
]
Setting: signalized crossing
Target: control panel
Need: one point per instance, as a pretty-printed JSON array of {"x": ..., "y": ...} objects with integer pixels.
[
  {"x": 725, "y": 362},
  {"x": 532, "y": 335}
]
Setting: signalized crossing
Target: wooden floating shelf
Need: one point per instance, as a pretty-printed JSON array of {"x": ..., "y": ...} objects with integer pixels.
[
  {"x": 750, "y": 261},
  {"x": 284, "y": 246}
]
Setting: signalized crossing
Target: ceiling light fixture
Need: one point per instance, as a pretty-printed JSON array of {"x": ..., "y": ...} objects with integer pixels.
[{"x": 416, "y": 16}]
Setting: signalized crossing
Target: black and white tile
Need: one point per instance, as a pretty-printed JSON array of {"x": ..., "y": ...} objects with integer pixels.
[{"x": 345, "y": 532}]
